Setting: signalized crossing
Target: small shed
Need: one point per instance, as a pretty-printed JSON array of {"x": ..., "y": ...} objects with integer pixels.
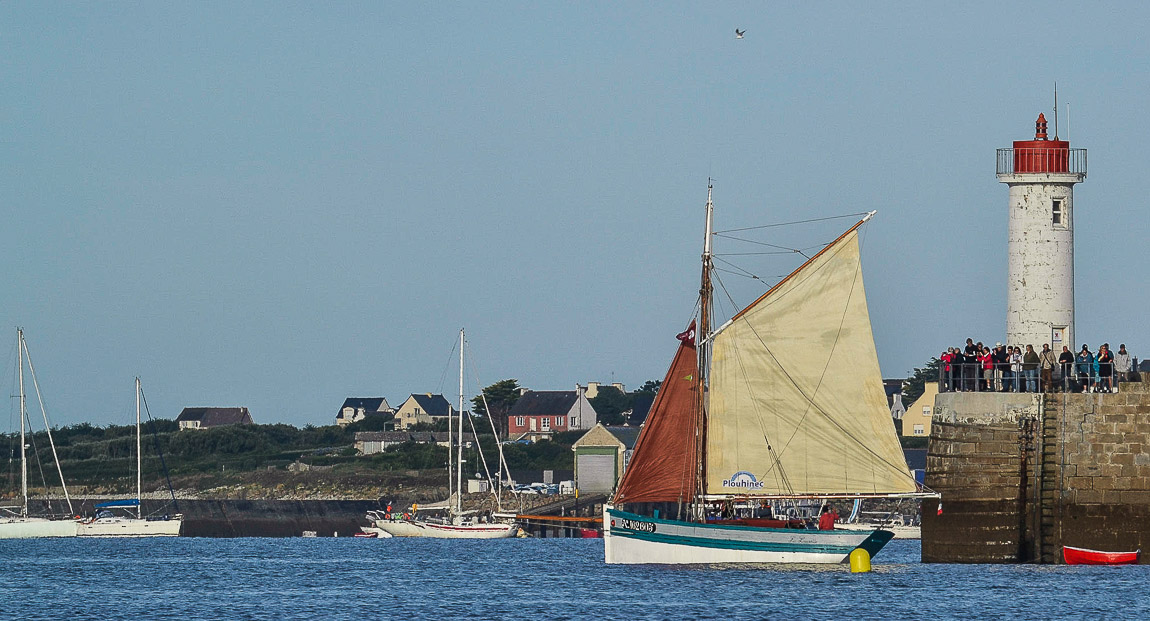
[{"x": 601, "y": 456}]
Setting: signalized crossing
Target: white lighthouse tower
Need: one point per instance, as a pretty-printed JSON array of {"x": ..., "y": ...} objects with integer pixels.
[{"x": 1041, "y": 174}]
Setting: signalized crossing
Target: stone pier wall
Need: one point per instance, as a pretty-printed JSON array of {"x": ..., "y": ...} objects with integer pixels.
[
  {"x": 249, "y": 518},
  {"x": 1080, "y": 477}
]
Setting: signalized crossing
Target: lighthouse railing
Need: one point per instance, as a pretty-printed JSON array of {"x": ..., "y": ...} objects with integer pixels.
[{"x": 1041, "y": 160}]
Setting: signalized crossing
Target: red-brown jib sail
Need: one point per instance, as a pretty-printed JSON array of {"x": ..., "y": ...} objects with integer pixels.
[{"x": 662, "y": 468}]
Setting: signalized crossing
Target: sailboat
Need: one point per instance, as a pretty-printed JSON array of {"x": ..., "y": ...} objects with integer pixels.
[
  {"x": 783, "y": 403},
  {"x": 20, "y": 524},
  {"x": 108, "y": 523},
  {"x": 457, "y": 525}
]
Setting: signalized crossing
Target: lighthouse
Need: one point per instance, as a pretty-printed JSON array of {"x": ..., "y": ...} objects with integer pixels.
[{"x": 1041, "y": 174}]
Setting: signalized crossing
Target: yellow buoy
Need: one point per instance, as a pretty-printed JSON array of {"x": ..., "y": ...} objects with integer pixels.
[{"x": 860, "y": 561}]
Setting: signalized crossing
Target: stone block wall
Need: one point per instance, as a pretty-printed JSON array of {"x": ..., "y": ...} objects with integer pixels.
[{"x": 1085, "y": 480}]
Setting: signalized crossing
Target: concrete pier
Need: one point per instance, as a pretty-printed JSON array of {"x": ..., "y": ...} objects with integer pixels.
[{"x": 1021, "y": 475}]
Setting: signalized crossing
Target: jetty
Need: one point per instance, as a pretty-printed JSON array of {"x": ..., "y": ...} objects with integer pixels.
[{"x": 1024, "y": 474}]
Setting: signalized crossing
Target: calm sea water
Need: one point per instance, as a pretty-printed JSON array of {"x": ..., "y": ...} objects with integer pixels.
[{"x": 519, "y": 579}]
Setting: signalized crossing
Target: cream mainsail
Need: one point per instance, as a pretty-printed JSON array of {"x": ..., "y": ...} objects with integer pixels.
[{"x": 797, "y": 404}]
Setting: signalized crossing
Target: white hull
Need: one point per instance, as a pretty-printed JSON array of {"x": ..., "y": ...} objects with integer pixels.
[
  {"x": 633, "y": 539},
  {"x": 419, "y": 528},
  {"x": 378, "y": 532},
  {"x": 32, "y": 527},
  {"x": 130, "y": 527}
]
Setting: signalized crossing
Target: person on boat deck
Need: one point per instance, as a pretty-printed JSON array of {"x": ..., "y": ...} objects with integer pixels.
[{"x": 828, "y": 518}]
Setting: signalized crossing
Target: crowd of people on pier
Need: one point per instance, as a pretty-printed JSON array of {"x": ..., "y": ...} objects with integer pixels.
[{"x": 1013, "y": 368}]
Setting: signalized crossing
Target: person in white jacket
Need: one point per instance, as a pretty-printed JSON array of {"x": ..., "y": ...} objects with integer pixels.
[{"x": 1122, "y": 363}]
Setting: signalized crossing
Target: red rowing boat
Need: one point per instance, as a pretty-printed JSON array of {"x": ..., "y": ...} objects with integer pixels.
[{"x": 1083, "y": 556}]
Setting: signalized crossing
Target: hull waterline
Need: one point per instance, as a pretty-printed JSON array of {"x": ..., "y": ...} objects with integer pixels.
[
  {"x": 1084, "y": 556},
  {"x": 130, "y": 527},
  {"x": 419, "y": 528},
  {"x": 34, "y": 528},
  {"x": 633, "y": 539}
]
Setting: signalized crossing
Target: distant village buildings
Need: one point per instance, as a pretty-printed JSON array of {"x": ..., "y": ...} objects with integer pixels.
[
  {"x": 601, "y": 457},
  {"x": 422, "y": 408},
  {"x": 205, "y": 418},
  {"x": 355, "y": 409},
  {"x": 592, "y": 388},
  {"x": 538, "y": 414},
  {"x": 916, "y": 420},
  {"x": 371, "y": 442}
]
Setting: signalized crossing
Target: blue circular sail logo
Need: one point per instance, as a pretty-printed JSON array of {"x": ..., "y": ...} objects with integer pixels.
[{"x": 743, "y": 480}]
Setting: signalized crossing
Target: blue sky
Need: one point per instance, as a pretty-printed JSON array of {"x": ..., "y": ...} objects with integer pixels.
[{"x": 278, "y": 205}]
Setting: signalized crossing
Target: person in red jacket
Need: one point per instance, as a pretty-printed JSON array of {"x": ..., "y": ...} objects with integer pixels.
[
  {"x": 947, "y": 374},
  {"x": 987, "y": 360},
  {"x": 828, "y": 518}
]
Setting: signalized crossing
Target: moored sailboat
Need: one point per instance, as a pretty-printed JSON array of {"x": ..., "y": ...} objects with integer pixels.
[
  {"x": 21, "y": 524},
  {"x": 457, "y": 524},
  {"x": 107, "y": 523},
  {"x": 782, "y": 403}
]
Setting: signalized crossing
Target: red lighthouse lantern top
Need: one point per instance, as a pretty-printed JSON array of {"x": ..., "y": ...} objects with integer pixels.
[{"x": 1041, "y": 155}]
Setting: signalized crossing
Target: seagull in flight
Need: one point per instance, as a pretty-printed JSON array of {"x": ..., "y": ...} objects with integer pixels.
[{"x": 739, "y": 33}]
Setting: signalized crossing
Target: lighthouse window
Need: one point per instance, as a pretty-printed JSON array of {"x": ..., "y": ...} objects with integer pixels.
[{"x": 1058, "y": 216}]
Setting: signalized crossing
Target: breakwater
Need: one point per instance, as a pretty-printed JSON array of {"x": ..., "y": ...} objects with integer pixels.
[
  {"x": 1022, "y": 475},
  {"x": 251, "y": 518}
]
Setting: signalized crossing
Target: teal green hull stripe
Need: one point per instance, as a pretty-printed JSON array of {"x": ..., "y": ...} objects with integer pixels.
[
  {"x": 727, "y": 544},
  {"x": 875, "y": 542}
]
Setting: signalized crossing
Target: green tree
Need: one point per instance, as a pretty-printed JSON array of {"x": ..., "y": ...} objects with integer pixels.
[
  {"x": 610, "y": 404},
  {"x": 649, "y": 387},
  {"x": 501, "y": 397},
  {"x": 915, "y": 385}
]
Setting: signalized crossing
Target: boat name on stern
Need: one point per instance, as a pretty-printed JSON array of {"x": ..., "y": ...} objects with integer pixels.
[{"x": 646, "y": 527}]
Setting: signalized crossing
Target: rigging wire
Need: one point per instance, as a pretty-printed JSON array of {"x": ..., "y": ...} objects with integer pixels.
[
  {"x": 741, "y": 271},
  {"x": 447, "y": 365},
  {"x": 47, "y": 427},
  {"x": 497, "y": 484},
  {"x": 163, "y": 464},
  {"x": 769, "y": 226},
  {"x": 759, "y": 243}
]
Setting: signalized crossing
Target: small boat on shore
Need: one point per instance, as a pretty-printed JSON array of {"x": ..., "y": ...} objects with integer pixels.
[{"x": 1084, "y": 556}]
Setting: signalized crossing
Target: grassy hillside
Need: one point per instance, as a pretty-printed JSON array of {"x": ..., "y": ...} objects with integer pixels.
[{"x": 102, "y": 459}]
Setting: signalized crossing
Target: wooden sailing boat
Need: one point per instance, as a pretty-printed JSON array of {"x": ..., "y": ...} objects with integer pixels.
[
  {"x": 782, "y": 403},
  {"x": 22, "y": 525},
  {"x": 107, "y": 523},
  {"x": 458, "y": 525}
]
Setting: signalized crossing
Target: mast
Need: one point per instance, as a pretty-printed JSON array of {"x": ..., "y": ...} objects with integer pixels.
[
  {"x": 23, "y": 413},
  {"x": 704, "y": 344},
  {"x": 459, "y": 470},
  {"x": 139, "y": 457}
]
